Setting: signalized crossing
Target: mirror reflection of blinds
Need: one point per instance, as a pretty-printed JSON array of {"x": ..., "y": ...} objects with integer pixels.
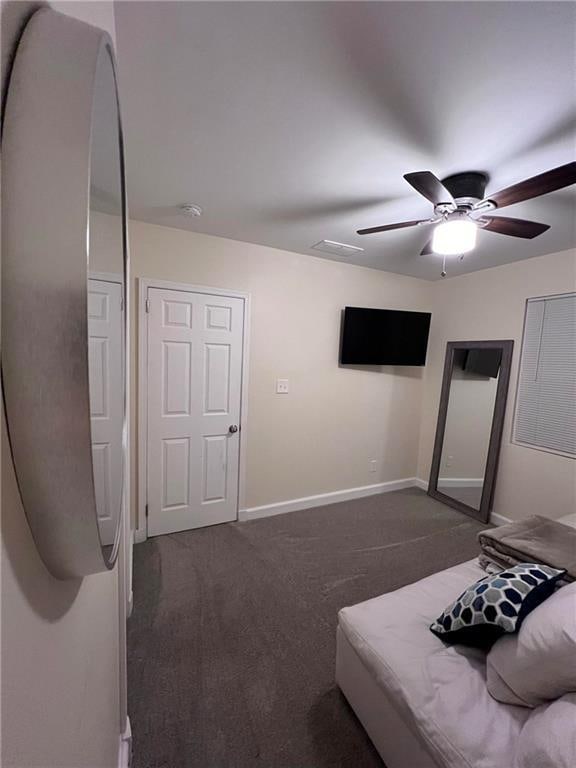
[{"x": 546, "y": 401}]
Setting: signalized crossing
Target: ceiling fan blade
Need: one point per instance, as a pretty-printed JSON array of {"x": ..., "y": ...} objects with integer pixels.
[
  {"x": 513, "y": 227},
  {"x": 427, "y": 249},
  {"x": 428, "y": 185},
  {"x": 386, "y": 227},
  {"x": 557, "y": 178}
]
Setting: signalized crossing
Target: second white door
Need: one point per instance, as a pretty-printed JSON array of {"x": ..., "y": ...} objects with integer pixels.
[
  {"x": 106, "y": 356},
  {"x": 195, "y": 344}
]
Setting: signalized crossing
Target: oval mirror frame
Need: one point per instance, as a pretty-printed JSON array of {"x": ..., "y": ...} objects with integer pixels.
[{"x": 46, "y": 175}]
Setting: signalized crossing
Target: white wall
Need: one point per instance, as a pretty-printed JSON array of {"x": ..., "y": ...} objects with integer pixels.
[
  {"x": 490, "y": 305},
  {"x": 322, "y": 435},
  {"x": 60, "y": 647}
]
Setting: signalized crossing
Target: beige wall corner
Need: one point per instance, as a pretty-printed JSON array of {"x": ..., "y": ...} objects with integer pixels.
[{"x": 490, "y": 305}]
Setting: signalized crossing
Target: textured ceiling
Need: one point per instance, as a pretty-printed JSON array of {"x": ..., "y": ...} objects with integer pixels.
[{"x": 294, "y": 122}]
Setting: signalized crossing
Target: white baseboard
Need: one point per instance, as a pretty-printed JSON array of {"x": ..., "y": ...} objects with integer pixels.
[
  {"x": 499, "y": 519},
  {"x": 333, "y": 497},
  {"x": 461, "y": 482},
  {"x": 125, "y": 747},
  {"x": 321, "y": 499}
]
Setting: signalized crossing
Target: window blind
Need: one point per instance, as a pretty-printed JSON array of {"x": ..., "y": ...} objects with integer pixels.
[{"x": 546, "y": 398}]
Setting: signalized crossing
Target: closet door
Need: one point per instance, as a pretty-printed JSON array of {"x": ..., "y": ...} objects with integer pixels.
[
  {"x": 105, "y": 324},
  {"x": 195, "y": 343}
]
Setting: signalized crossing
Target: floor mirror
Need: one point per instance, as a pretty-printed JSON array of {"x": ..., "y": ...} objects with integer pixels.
[{"x": 470, "y": 422}]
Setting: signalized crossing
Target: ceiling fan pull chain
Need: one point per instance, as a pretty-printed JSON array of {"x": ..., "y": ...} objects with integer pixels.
[{"x": 443, "y": 273}]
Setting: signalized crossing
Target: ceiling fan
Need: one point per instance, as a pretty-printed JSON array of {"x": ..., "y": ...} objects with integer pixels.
[{"x": 461, "y": 207}]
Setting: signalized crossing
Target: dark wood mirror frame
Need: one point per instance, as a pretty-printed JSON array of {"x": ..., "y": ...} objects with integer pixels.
[{"x": 498, "y": 415}]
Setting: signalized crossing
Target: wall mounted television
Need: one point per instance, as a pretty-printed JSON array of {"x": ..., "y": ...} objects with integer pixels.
[{"x": 383, "y": 337}]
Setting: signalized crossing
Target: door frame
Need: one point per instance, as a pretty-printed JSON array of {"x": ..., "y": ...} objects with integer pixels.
[{"x": 144, "y": 283}]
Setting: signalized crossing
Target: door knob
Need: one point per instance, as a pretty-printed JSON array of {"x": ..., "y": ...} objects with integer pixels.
[{"x": 232, "y": 428}]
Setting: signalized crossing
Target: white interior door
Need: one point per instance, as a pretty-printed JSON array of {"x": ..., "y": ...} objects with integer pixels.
[
  {"x": 195, "y": 343},
  {"x": 106, "y": 400}
]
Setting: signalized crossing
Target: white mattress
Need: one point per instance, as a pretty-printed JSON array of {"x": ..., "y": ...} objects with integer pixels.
[
  {"x": 438, "y": 690},
  {"x": 398, "y": 745}
]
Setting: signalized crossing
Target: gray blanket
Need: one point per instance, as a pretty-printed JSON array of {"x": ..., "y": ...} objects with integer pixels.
[{"x": 534, "y": 540}]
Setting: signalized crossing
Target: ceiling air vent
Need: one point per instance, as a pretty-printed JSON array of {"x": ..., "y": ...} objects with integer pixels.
[{"x": 336, "y": 249}]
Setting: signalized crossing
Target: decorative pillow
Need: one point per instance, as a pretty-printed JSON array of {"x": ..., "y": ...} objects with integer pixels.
[
  {"x": 539, "y": 663},
  {"x": 548, "y": 737},
  {"x": 496, "y": 604}
]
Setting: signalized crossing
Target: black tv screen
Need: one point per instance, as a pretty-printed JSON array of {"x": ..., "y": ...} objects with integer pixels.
[{"x": 383, "y": 337}]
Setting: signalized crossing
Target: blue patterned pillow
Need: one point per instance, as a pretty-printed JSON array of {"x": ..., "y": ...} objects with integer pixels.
[{"x": 496, "y": 604}]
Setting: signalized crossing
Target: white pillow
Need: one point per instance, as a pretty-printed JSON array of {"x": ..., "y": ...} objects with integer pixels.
[
  {"x": 548, "y": 737},
  {"x": 539, "y": 663}
]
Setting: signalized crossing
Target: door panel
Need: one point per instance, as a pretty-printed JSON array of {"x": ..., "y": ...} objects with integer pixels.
[
  {"x": 217, "y": 384},
  {"x": 102, "y": 469},
  {"x": 195, "y": 343},
  {"x": 176, "y": 472},
  {"x": 215, "y": 467},
  {"x": 176, "y": 377},
  {"x": 98, "y": 371},
  {"x": 218, "y": 317}
]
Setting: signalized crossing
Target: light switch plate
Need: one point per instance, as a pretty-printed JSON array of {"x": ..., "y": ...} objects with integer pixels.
[{"x": 281, "y": 386}]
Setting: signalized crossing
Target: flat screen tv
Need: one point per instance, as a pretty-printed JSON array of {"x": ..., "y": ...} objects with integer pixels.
[{"x": 383, "y": 337}]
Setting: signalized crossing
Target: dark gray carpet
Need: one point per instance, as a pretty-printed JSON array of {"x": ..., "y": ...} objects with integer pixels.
[{"x": 232, "y": 640}]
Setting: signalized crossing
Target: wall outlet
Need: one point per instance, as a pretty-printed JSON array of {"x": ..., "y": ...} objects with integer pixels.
[
  {"x": 449, "y": 460},
  {"x": 282, "y": 386},
  {"x": 372, "y": 466}
]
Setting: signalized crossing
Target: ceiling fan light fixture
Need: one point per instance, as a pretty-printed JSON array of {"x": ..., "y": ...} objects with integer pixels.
[{"x": 452, "y": 238}]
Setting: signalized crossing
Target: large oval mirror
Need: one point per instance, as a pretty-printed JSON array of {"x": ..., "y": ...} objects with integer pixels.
[{"x": 64, "y": 291}]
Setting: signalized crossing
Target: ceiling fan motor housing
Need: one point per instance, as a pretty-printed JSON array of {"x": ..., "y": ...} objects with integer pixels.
[{"x": 466, "y": 188}]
